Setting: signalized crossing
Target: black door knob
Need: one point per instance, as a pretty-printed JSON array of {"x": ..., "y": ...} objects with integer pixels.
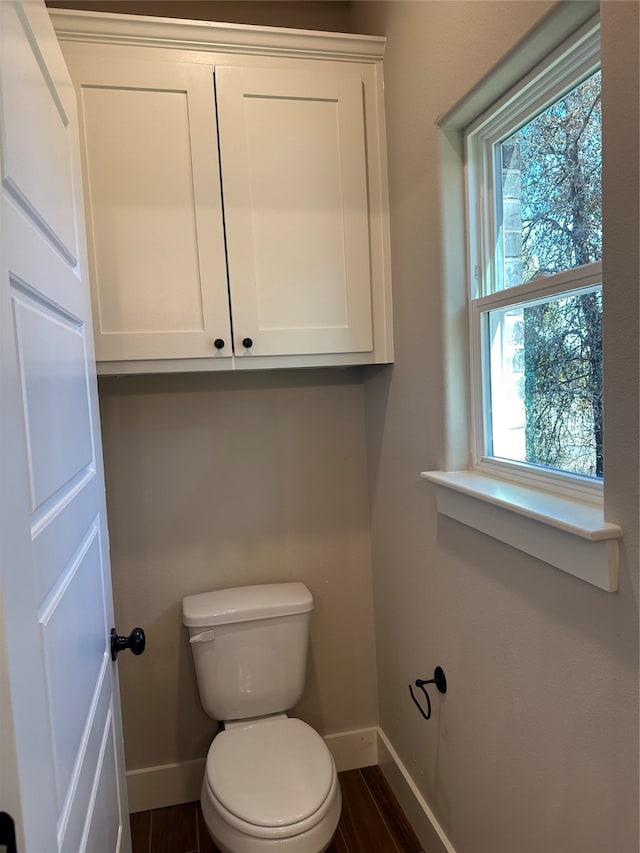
[
  {"x": 135, "y": 642},
  {"x": 247, "y": 343},
  {"x": 218, "y": 343}
]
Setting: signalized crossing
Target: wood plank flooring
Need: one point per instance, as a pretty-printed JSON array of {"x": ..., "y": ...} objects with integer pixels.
[{"x": 371, "y": 822}]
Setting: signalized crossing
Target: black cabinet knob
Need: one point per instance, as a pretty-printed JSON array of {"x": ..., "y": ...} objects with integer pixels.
[
  {"x": 247, "y": 343},
  {"x": 135, "y": 642},
  {"x": 218, "y": 343}
]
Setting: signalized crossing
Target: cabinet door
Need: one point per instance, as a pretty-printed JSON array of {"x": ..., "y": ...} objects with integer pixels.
[
  {"x": 155, "y": 226},
  {"x": 295, "y": 197}
]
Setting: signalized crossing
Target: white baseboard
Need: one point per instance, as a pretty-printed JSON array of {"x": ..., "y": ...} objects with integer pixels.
[
  {"x": 165, "y": 785},
  {"x": 350, "y": 750},
  {"x": 169, "y": 784},
  {"x": 426, "y": 826}
]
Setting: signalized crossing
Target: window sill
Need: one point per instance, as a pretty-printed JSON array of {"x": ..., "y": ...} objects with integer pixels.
[{"x": 568, "y": 534}]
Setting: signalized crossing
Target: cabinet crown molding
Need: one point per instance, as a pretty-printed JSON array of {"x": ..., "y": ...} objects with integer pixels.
[{"x": 145, "y": 31}]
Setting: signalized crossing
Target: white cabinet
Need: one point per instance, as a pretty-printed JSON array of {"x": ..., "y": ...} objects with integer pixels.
[
  {"x": 292, "y": 154},
  {"x": 152, "y": 188},
  {"x": 235, "y": 180}
]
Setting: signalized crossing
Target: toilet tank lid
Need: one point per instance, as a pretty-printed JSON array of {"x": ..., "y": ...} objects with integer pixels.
[{"x": 245, "y": 603}]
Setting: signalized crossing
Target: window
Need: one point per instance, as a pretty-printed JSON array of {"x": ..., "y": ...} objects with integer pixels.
[{"x": 534, "y": 165}]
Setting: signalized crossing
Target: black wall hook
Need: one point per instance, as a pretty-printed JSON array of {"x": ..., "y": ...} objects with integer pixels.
[{"x": 440, "y": 681}]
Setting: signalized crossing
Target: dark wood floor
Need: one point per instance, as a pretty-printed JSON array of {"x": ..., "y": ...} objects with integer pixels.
[{"x": 371, "y": 822}]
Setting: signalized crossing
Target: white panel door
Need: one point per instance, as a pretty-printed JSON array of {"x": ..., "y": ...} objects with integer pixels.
[
  {"x": 156, "y": 239},
  {"x": 62, "y": 764},
  {"x": 295, "y": 199}
]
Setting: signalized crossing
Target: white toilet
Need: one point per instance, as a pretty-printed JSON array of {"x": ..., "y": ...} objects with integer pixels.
[{"x": 270, "y": 782}]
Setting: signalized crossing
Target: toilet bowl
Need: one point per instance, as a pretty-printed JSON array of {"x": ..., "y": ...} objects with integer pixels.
[{"x": 270, "y": 782}]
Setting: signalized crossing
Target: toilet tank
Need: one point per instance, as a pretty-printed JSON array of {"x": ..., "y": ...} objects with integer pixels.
[{"x": 249, "y": 647}]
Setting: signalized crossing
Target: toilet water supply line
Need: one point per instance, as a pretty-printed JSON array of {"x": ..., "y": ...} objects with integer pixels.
[{"x": 440, "y": 681}]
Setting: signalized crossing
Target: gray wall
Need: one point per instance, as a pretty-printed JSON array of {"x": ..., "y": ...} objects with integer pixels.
[
  {"x": 224, "y": 480},
  {"x": 535, "y": 746}
]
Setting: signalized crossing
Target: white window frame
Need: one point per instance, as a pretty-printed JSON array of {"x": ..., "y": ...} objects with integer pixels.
[{"x": 564, "y": 69}]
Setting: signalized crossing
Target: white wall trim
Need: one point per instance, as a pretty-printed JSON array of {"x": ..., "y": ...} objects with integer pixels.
[
  {"x": 169, "y": 784},
  {"x": 561, "y": 531},
  {"x": 357, "y": 748},
  {"x": 165, "y": 785},
  {"x": 144, "y": 31},
  {"x": 426, "y": 826}
]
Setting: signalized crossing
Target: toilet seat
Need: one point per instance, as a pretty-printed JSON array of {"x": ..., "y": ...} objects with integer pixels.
[
  {"x": 278, "y": 833},
  {"x": 271, "y": 779}
]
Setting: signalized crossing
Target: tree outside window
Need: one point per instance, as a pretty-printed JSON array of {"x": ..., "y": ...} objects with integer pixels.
[{"x": 546, "y": 355}]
